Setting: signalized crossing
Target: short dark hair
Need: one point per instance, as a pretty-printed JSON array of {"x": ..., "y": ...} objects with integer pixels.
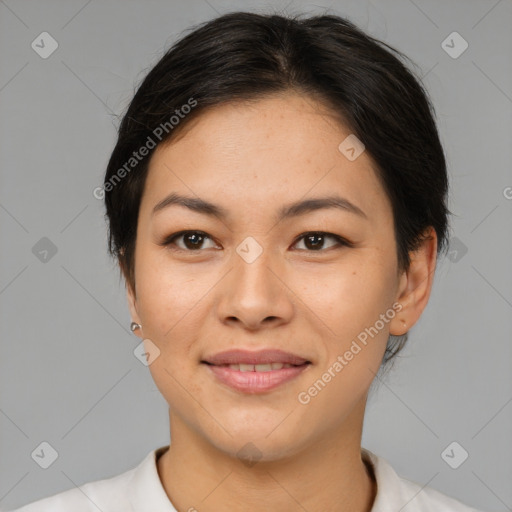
[{"x": 247, "y": 56}]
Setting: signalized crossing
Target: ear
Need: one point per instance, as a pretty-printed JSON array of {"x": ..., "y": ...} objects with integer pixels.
[{"x": 415, "y": 284}]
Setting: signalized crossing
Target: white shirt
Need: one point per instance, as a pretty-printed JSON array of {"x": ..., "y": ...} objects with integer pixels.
[{"x": 140, "y": 490}]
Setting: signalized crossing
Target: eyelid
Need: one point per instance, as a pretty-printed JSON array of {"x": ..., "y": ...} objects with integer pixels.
[
  {"x": 169, "y": 240},
  {"x": 339, "y": 239}
]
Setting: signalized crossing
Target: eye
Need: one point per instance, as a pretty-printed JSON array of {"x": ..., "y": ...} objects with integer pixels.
[
  {"x": 315, "y": 241},
  {"x": 191, "y": 240}
]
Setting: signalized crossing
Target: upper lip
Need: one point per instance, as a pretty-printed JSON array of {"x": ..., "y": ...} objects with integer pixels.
[{"x": 239, "y": 356}]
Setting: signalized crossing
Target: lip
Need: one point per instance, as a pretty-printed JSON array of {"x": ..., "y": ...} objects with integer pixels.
[
  {"x": 266, "y": 356},
  {"x": 255, "y": 381}
]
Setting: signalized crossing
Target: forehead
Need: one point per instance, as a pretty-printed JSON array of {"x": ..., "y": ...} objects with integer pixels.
[{"x": 276, "y": 149}]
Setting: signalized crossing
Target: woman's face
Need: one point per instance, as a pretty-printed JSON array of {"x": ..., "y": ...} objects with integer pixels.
[{"x": 257, "y": 179}]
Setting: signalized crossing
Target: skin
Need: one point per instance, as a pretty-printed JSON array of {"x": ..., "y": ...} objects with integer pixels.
[{"x": 251, "y": 159}]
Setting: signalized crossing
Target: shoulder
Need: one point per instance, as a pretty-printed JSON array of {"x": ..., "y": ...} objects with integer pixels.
[
  {"x": 426, "y": 499},
  {"x": 108, "y": 495},
  {"x": 397, "y": 493},
  {"x": 104, "y": 494}
]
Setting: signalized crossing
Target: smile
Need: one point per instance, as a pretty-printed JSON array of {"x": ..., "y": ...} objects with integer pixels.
[
  {"x": 255, "y": 372},
  {"x": 257, "y": 367}
]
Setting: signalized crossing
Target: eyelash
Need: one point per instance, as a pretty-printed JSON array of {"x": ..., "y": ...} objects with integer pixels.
[{"x": 169, "y": 241}]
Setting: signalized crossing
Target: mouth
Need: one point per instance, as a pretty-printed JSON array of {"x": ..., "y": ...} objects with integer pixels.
[
  {"x": 245, "y": 367},
  {"x": 255, "y": 372}
]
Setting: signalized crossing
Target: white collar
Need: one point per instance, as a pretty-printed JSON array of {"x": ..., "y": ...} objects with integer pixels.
[{"x": 145, "y": 490}]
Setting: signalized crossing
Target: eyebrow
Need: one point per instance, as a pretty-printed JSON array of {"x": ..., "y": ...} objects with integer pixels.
[{"x": 292, "y": 210}]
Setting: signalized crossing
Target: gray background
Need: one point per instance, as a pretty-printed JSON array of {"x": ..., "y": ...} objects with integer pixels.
[{"x": 67, "y": 369}]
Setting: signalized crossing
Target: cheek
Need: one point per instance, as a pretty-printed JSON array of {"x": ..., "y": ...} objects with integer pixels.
[
  {"x": 172, "y": 303},
  {"x": 351, "y": 304},
  {"x": 351, "y": 296},
  {"x": 168, "y": 296}
]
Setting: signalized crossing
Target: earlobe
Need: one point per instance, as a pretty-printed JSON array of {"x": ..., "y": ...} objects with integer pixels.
[
  {"x": 415, "y": 285},
  {"x": 398, "y": 326},
  {"x": 132, "y": 306}
]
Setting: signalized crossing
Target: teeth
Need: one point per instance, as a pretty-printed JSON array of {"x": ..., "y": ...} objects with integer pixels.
[
  {"x": 259, "y": 367},
  {"x": 262, "y": 367}
]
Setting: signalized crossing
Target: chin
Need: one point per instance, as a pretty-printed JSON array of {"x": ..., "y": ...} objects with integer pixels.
[
  {"x": 259, "y": 439},
  {"x": 250, "y": 450}
]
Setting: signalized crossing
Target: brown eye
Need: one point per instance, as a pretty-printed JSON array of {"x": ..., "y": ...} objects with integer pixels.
[
  {"x": 188, "y": 240},
  {"x": 315, "y": 241}
]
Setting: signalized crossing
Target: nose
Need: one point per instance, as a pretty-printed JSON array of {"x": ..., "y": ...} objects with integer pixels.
[{"x": 255, "y": 295}]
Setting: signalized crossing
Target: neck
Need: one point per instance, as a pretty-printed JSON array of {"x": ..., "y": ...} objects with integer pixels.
[{"x": 329, "y": 475}]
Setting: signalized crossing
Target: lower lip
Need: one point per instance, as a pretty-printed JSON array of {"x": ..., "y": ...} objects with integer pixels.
[{"x": 255, "y": 382}]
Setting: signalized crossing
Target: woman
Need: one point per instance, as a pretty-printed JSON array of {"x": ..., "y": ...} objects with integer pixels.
[{"x": 276, "y": 202}]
